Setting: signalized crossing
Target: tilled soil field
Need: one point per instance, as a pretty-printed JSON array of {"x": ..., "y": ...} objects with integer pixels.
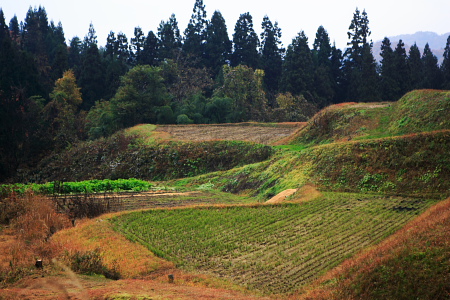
[{"x": 262, "y": 134}]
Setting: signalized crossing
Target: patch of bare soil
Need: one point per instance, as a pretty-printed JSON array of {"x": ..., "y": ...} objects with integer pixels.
[
  {"x": 281, "y": 196},
  {"x": 306, "y": 193},
  {"x": 267, "y": 135},
  {"x": 71, "y": 286}
]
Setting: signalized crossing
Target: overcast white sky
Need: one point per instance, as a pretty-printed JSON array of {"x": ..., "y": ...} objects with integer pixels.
[{"x": 387, "y": 17}]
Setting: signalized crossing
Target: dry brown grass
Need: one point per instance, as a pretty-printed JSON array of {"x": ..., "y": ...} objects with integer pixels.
[
  {"x": 131, "y": 259},
  {"x": 262, "y": 134}
]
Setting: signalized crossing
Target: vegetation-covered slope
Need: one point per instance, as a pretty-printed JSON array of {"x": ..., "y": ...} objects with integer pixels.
[
  {"x": 124, "y": 157},
  {"x": 417, "y": 111}
]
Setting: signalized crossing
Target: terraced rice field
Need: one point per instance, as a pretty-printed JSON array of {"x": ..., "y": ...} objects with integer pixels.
[
  {"x": 262, "y": 134},
  {"x": 270, "y": 248}
]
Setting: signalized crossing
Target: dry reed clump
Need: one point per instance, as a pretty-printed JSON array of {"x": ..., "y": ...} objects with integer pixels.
[{"x": 34, "y": 220}]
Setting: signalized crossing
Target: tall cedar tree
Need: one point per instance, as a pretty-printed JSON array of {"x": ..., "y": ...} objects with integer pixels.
[
  {"x": 298, "y": 67},
  {"x": 432, "y": 78},
  {"x": 115, "y": 65},
  {"x": 14, "y": 29},
  {"x": 35, "y": 33},
  {"x": 325, "y": 86},
  {"x": 389, "y": 85},
  {"x": 218, "y": 44},
  {"x": 123, "y": 51},
  {"x": 401, "y": 69},
  {"x": 169, "y": 38},
  {"x": 74, "y": 56},
  {"x": 245, "y": 43},
  {"x": 359, "y": 64},
  {"x": 92, "y": 78},
  {"x": 195, "y": 33},
  {"x": 90, "y": 38},
  {"x": 111, "y": 46},
  {"x": 150, "y": 51},
  {"x": 136, "y": 47},
  {"x": 337, "y": 73},
  {"x": 272, "y": 52},
  {"x": 446, "y": 66},
  {"x": 415, "y": 68}
]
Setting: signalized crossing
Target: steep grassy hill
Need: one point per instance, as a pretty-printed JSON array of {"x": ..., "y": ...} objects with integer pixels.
[{"x": 418, "y": 111}]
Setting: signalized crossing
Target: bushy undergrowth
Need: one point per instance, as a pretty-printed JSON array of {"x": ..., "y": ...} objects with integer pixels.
[{"x": 118, "y": 157}]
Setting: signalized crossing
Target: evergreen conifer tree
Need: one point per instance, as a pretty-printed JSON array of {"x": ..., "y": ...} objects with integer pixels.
[
  {"x": 92, "y": 72},
  {"x": 325, "y": 86},
  {"x": 137, "y": 45},
  {"x": 401, "y": 69},
  {"x": 298, "y": 67},
  {"x": 150, "y": 51},
  {"x": 389, "y": 85},
  {"x": 361, "y": 79},
  {"x": 432, "y": 78},
  {"x": 74, "y": 56},
  {"x": 337, "y": 73},
  {"x": 218, "y": 44},
  {"x": 14, "y": 28},
  {"x": 415, "y": 68},
  {"x": 169, "y": 38},
  {"x": 195, "y": 33},
  {"x": 445, "y": 67},
  {"x": 272, "y": 52},
  {"x": 245, "y": 42}
]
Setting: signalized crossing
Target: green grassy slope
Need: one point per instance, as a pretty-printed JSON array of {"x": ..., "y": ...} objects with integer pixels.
[
  {"x": 416, "y": 164},
  {"x": 418, "y": 111}
]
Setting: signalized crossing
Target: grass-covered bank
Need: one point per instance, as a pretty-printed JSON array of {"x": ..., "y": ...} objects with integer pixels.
[{"x": 416, "y": 165}]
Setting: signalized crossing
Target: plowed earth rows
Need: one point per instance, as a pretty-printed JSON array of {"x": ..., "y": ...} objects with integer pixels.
[{"x": 252, "y": 133}]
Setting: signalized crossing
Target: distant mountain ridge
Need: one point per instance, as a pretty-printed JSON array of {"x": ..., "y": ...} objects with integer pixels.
[{"x": 436, "y": 41}]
